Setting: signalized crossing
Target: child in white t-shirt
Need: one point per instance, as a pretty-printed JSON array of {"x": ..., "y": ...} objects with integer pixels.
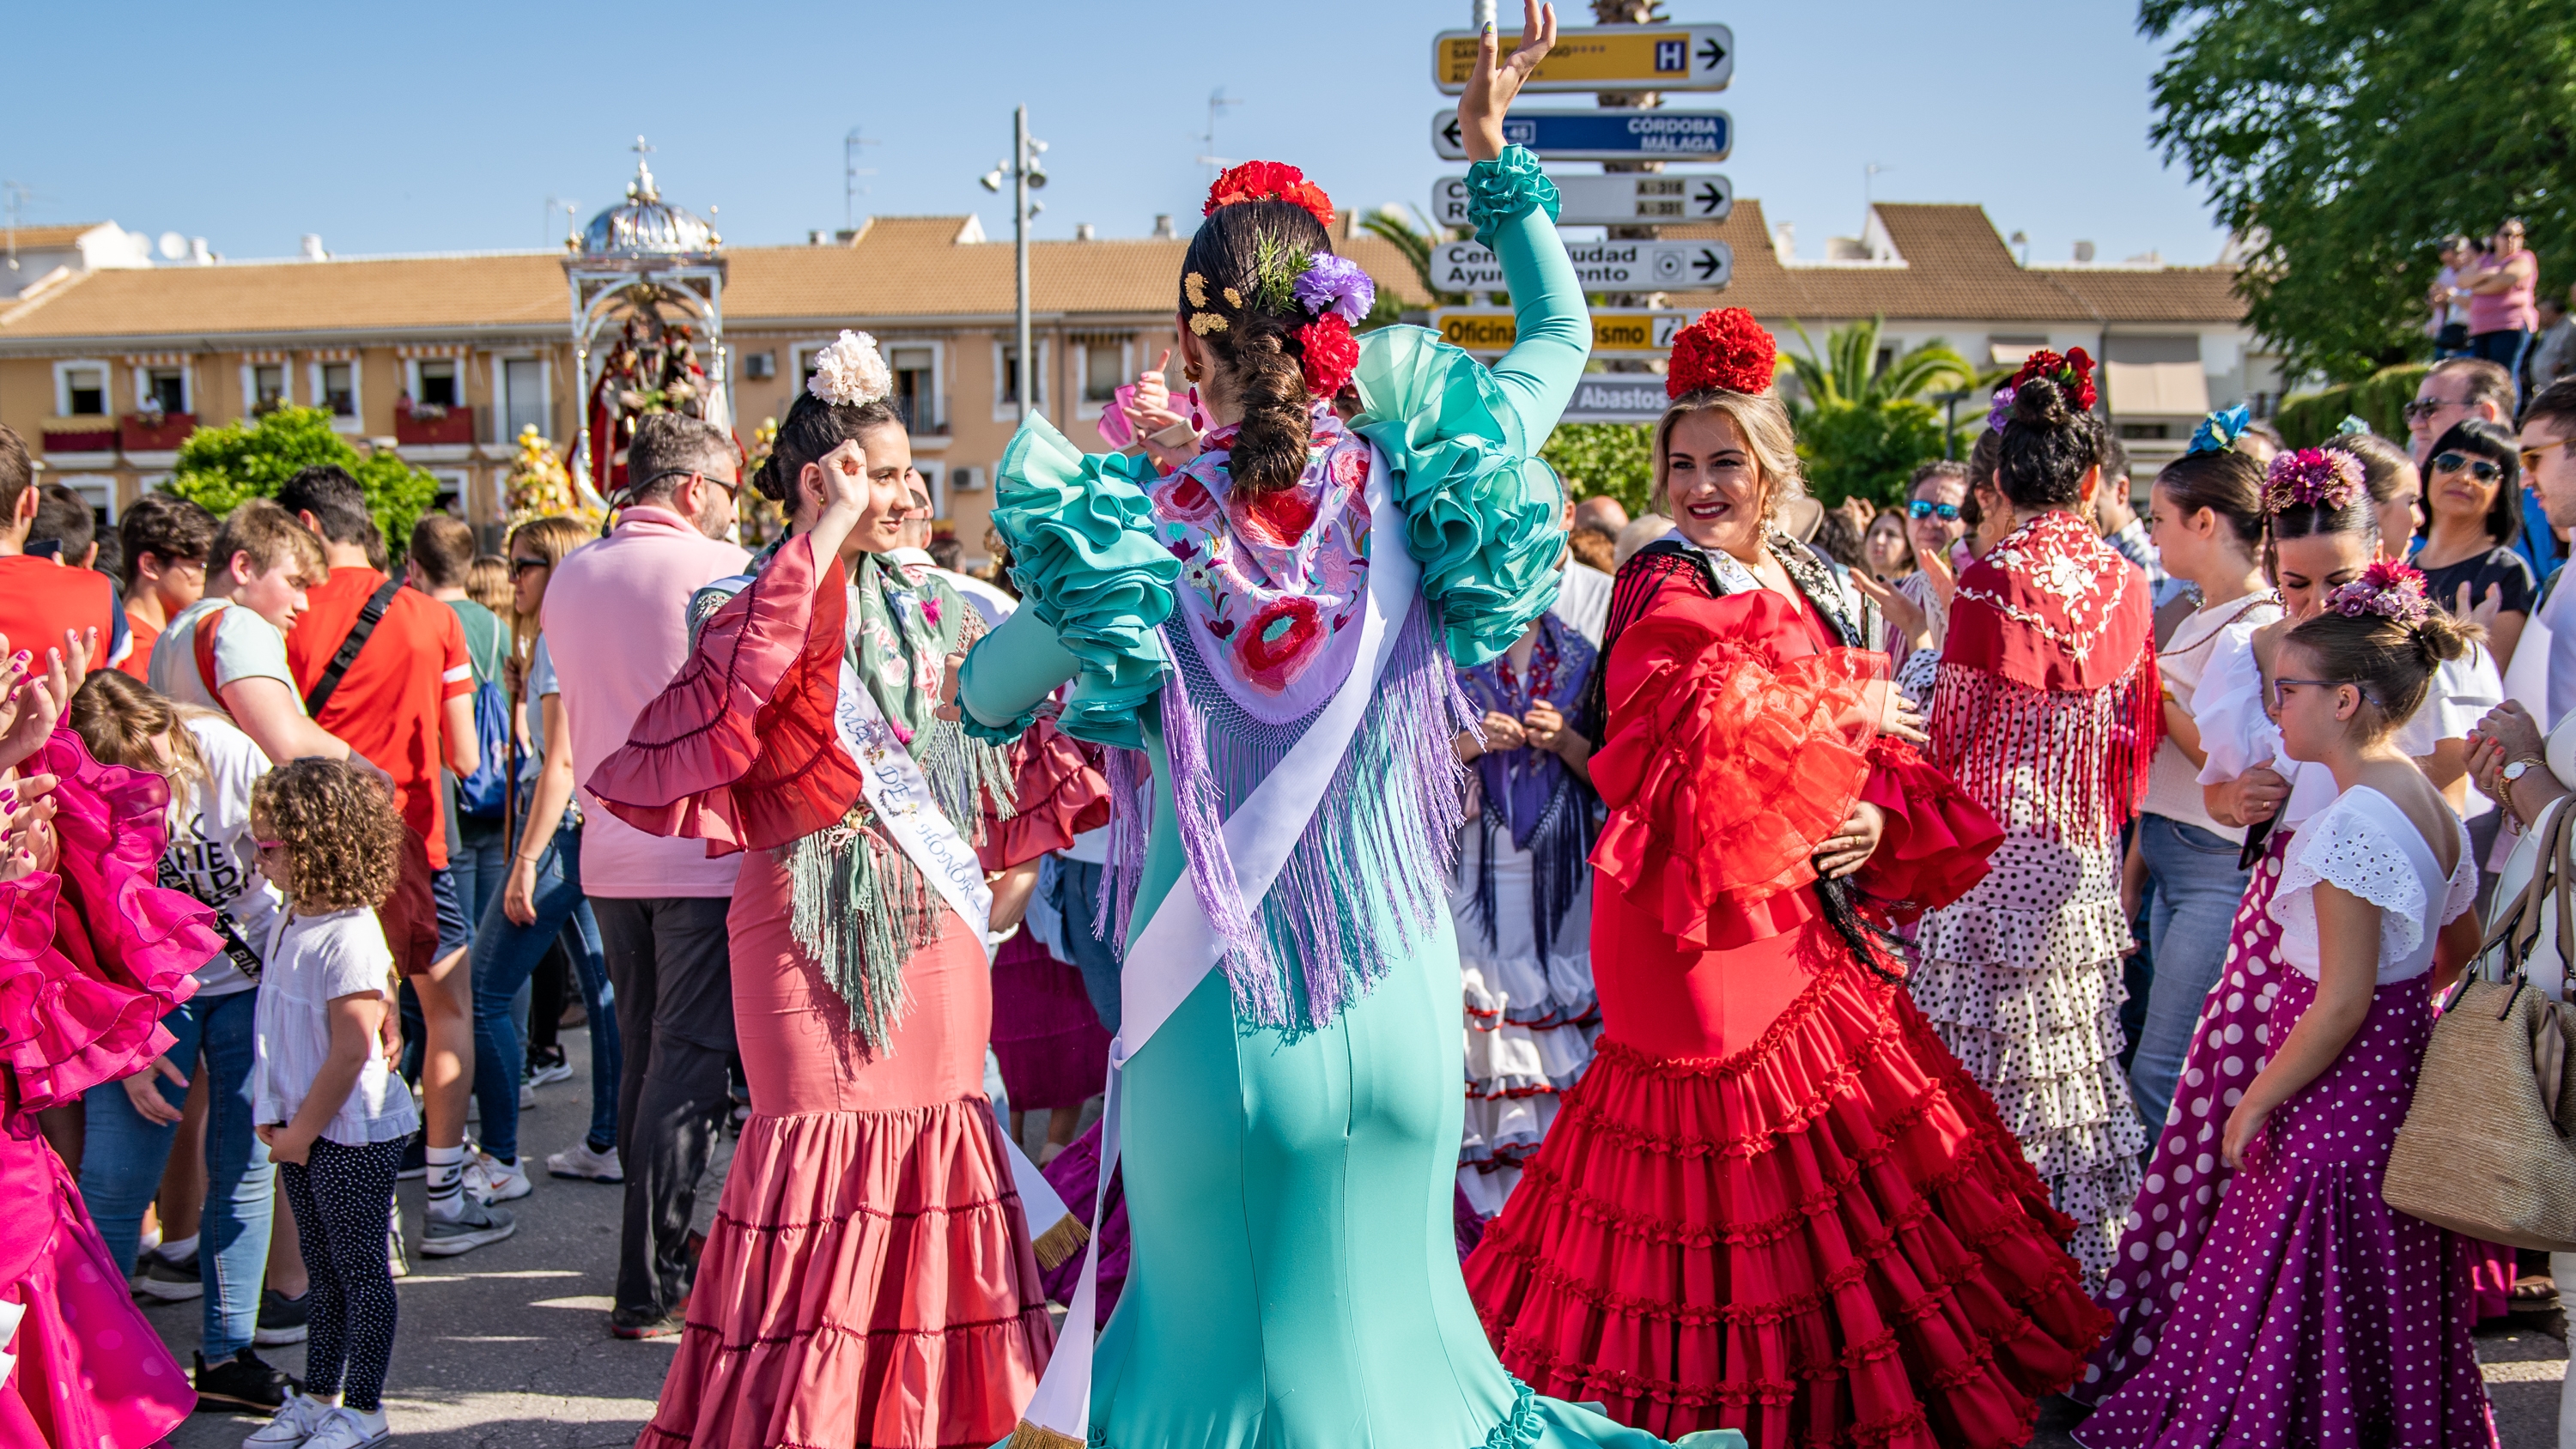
[{"x": 333, "y": 1116}]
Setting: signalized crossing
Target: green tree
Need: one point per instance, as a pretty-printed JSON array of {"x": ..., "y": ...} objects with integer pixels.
[
  {"x": 219, "y": 467},
  {"x": 1612, "y": 458},
  {"x": 1863, "y": 427},
  {"x": 2342, "y": 138}
]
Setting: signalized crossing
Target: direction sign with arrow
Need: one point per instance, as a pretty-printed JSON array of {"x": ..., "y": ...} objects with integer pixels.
[
  {"x": 1627, "y": 332},
  {"x": 1612, "y": 266},
  {"x": 1607, "y": 135},
  {"x": 1637, "y": 198},
  {"x": 1616, "y": 57}
]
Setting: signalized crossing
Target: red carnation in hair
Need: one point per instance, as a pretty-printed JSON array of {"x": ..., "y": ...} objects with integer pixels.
[
  {"x": 1270, "y": 181},
  {"x": 1726, "y": 350},
  {"x": 2072, "y": 373},
  {"x": 1330, "y": 354}
]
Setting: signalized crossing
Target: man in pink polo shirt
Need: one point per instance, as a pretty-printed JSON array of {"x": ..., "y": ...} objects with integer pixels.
[{"x": 616, "y": 627}]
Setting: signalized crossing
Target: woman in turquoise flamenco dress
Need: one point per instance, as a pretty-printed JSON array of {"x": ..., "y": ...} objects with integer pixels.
[{"x": 1290, "y": 1131}]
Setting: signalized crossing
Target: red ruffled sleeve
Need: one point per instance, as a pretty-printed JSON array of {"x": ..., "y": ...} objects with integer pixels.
[
  {"x": 1937, "y": 840},
  {"x": 93, "y": 957},
  {"x": 1724, "y": 763},
  {"x": 739, "y": 749},
  {"x": 1060, "y": 791}
]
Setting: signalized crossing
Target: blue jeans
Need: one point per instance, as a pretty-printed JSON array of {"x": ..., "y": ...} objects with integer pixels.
[
  {"x": 123, "y": 1155},
  {"x": 2197, "y": 890},
  {"x": 1077, "y": 888},
  {"x": 2505, "y": 350},
  {"x": 505, "y": 955}
]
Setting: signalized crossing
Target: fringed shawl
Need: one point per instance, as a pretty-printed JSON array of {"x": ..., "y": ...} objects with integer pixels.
[{"x": 1529, "y": 793}]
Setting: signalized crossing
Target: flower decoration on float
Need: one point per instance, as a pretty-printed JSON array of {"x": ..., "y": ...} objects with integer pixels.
[
  {"x": 1270, "y": 181},
  {"x": 2312, "y": 478},
  {"x": 2388, "y": 590},
  {"x": 1724, "y": 350},
  {"x": 2220, "y": 430},
  {"x": 851, "y": 372}
]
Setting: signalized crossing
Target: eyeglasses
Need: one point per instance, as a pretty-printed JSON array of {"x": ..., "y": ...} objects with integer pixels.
[
  {"x": 268, "y": 847},
  {"x": 2423, "y": 408},
  {"x": 1926, "y": 508},
  {"x": 2531, "y": 456},
  {"x": 2478, "y": 468},
  {"x": 732, "y": 490},
  {"x": 520, "y": 566},
  {"x": 2279, "y": 703}
]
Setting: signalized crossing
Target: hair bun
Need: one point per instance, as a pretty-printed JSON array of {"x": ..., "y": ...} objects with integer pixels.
[{"x": 2038, "y": 404}]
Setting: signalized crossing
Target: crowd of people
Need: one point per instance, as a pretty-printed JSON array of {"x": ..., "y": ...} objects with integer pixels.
[{"x": 1752, "y": 973}]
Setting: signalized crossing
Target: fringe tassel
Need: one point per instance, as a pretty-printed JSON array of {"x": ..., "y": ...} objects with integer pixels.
[
  {"x": 1560, "y": 847},
  {"x": 1039, "y": 1436},
  {"x": 861, "y": 911},
  {"x": 1131, "y": 824},
  {"x": 1062, "y": 1241},
  {"x": 2061, "y": 764}
]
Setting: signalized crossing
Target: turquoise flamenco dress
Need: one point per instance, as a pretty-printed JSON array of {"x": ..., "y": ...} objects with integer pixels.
[{"x": 1291, "y": 1132}]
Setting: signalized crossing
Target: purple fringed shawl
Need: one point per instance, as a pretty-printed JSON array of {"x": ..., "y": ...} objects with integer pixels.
[{"x": 1530, "y": 792}]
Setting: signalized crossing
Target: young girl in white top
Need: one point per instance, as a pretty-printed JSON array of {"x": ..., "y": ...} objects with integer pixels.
[
  {"x": 2313, "y": 1313},
  {"x": 333, "y": 1116}
]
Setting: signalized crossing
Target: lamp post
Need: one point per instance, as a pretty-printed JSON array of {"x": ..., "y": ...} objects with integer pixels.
[
  {"x": 1024, "y": 172},
  {"x": 1950, "y": 430}
]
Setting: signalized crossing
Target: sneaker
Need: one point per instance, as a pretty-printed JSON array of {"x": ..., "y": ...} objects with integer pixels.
[
  {"x": 415, "y": 1163},
  {"x": 586, "y": 1163},
  {"x": 527, "y": 1094},
  {"x": 346, "y": 1428},
  {"x": 292, "y": 1425},
  {"x": 243, "y": 1381},
  {"x": 166, "y": 1282},
  {"x": 281, "y": 1319},
  {"x": 549, "y": 1069},
  {"x": 471, "y": 1229},
  {"x": 487, "y": 1178},
  {"x": 627, "y": 1323}
]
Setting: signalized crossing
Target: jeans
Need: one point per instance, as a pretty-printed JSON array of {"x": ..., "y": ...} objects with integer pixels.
[
  {"x": 1077, "y": 888},
  {"x": 2197, "y": 890},
  {"x": 504, "y": 955},
  {"x": 670, "y": 959},
  {"x": 2504, "y": 349},
  {"x": 122, "y": 1160}
]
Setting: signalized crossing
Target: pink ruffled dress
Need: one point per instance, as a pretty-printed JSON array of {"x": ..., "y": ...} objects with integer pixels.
[{"x": 90, "y": 960}]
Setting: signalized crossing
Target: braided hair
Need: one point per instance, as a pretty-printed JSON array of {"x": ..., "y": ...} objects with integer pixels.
[{"x": 1235, "y": 297}]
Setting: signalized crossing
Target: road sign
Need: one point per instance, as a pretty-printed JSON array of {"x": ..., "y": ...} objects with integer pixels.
[
  {"x": 1629, "y": 332},
  {"x": 1618, "y": 57},
  {"x": 1607, "y": 135},
  {"x": 1623, "y": 397},
  {"x": 1644, "y": 198},
  {"x": 1610, "y": 266}
]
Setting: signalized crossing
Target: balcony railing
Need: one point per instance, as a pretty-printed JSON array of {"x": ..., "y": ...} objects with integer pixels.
[
  {"x": 919, "y": 417},
  {"x": 155, "y": 432},
  {"x": 433, "y": 427},
  {"x": 80, "y": 435}
]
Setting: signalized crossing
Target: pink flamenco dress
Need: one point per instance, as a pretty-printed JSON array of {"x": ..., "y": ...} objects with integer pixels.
[
  {"x": 91, "y": 957},
  {"x": 869, "y": 1279}
]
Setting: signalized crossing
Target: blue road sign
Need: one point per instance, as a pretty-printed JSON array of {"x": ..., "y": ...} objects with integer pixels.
[{"x": 1605, "y": 135}]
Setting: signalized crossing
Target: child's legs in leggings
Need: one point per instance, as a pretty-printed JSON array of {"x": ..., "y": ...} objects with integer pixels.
[{"x": 342, "y": 1197}]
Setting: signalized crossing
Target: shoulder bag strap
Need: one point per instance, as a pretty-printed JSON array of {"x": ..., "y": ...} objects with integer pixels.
[
  {"x": 203, "y": 646},
  {"x": 372, "y": 614}
]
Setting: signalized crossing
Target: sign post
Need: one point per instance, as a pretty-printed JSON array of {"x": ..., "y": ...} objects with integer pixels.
[
  {"x": 1619, "y": 57},
  {"x": 1609, "y": 266},
  {"x": 1608, "y": 135},
  {"x": 1636, "y": 198}
]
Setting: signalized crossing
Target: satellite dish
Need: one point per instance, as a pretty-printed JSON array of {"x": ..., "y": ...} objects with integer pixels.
[{"x": 173, "y": 246}]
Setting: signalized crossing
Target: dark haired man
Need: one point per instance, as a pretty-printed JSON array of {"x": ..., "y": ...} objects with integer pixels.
[
  {"x": 165, "y": 539},
  {"x": 40, "y": 600},
  {"x": 2460, "y": 388}
]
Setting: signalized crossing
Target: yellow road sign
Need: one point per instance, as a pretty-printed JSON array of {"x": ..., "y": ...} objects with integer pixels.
[
  {"x": 1633, "y": 332},
  {"x": 1608, "y": 57}
]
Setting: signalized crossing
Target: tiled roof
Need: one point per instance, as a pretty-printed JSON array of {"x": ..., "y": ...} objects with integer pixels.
[
  {"x": 47, "y": 238},
  {"x": 357, "y": 295}
]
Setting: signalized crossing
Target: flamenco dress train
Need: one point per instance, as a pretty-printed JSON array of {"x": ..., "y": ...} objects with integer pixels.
[
  {"x": 1776, "y": 1202},
  {"x": 1289, "y": 1168},
  {"x": 91, "y": 957}
]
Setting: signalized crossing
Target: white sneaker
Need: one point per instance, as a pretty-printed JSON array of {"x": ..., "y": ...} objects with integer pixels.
[
  {"x": 346, "y": 1428},
  {"x": 579, "y": 1161},
  {"x": 488, "y": 1179},
  {"x": 295, "y": 1421}
]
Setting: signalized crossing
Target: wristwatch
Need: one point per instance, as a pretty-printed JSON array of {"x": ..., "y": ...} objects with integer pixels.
[{"x": 2517, "y": 770}]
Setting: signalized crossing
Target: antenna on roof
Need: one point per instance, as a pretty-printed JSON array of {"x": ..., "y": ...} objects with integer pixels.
[
  {"x": 17, "y": 204},
  {"x": 851, "y": 171},
  {"x": 1217, "y": 103}
]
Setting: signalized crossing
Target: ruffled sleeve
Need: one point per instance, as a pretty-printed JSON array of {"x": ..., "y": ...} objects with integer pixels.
[
  {"x": 2349, "y": 846},
  {"x": 1089, "y": 567},
  {"x": 1723, "y": 766},
  {"x": 2227, "y": 705},
  {"x": 1937, "y": 840},
  {"x": 739, "y": 749},
  {"x": 1506, "y": 189},
  {"x": 1058, "y": 792}
]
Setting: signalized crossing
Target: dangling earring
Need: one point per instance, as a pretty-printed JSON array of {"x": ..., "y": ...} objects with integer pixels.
[{"x": 1190, "y": 371}]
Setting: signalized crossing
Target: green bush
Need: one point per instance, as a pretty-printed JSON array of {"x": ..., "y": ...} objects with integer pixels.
[
  {"x": 2379, "y": 400},
  {"x": 219, "y": 467},
  {"x": 1853, "y": 452},
  {"x": 1612, "y": 458}
]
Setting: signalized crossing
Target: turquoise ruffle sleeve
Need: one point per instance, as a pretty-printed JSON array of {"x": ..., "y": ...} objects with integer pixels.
[
  {"x": 1505, "y": 189},
  {"x": 1086, "y": 561}
]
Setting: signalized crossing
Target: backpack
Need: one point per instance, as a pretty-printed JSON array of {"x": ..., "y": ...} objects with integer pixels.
[{"x": 484, "y": 794}]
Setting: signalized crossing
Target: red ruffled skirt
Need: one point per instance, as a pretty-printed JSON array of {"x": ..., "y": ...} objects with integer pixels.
[{"x": 1821, "y": 1237}]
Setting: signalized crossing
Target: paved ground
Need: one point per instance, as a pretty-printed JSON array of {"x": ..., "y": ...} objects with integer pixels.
[{"x": 507, "y": 1347}]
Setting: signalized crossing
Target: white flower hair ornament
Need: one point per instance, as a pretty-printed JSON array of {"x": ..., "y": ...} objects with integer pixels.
[{"x": 851, "y": 372}]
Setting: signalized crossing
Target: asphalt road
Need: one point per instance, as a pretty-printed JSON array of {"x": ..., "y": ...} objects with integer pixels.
[{"x": 507, "y": 1347}]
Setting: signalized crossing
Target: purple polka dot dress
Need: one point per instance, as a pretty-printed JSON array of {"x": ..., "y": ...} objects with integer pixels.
[{"x": 2307, "y": 1312}]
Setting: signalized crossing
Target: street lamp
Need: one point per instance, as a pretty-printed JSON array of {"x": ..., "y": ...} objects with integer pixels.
[
  {"x": 1950, "y": 430},
  {"x": 1025, "y": 172}
]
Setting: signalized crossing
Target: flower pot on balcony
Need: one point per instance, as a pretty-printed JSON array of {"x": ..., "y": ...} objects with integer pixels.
[
  {"x": 433, "y": 427},
  {"x": 155, "y": 432}
]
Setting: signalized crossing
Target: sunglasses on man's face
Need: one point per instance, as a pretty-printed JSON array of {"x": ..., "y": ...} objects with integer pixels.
[
  {"x": 2478, "y": 468},
  {"x": 2423, "y": 408},
  {"x": 2531, "y": 456},
  {"x": 1926, "y": 508}
]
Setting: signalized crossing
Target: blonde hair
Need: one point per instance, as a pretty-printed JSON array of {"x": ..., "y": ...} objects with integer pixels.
[
  {"x": 272, "y": 537},
  {"x": 118, "y": 718},
  {"x": 1763, "y": 424},
  {"x": 549, "y": 539},
  {"x": 487, "y": 582}
]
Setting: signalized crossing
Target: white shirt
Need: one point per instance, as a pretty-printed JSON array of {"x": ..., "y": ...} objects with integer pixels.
[
  {"x": 2236, "y": 735},
  {"x": 313, "y": 961},
  {"x": 1583, "y": 600},
  {"x": 2364, "y": 843},
  {"x": 210, "y": 855},
  {"x": 2173, "y": 785},
  {"x": 986, "y": 599},
  {"x": 246, "y": 646}
]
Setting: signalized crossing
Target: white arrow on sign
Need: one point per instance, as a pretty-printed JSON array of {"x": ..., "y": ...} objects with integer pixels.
[
  {"x": 1625, "y": 200},
  {"x": 1608, "y": 266}
]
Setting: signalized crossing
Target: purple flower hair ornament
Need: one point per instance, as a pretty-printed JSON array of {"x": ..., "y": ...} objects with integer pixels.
[
  {"x": 2314, "y": 478},
  {"x": 2388, "y": 590},
  {"x": 1335, "y": 284},
  {"x": 2000, "y": 412}
]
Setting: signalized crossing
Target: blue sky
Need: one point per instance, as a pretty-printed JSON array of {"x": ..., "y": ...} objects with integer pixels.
[{"x": 408, "y": 128}]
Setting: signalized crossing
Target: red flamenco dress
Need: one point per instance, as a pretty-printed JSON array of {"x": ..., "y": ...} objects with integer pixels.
[
  {"x": 92, "y": 955},
  {"x": 1776, "y": 1203}
]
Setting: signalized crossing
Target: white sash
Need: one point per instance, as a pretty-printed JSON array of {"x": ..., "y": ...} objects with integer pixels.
[
  {"x": 896, "y": 790},
  {"x": 1175, "y": 951}
]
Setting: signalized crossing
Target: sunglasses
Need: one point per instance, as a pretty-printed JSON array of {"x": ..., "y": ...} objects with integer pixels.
[
  {"x": 2478, "y": 468},
  {"x": 520, "y": 566},
  {"x": 732, "y": 490},
  {"x": 1926, "y": 508},
  {"x": 2424, "y": 407},
  {"x": 2531, "y": 456}
]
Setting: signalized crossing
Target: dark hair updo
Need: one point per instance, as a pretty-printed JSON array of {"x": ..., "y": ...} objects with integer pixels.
[
  {"x": 1253, "y": 330},
  {"x": 812, "y": 430},
  {"x": 2393, "y": 662},
  {"x": 2222, "y": 480},
  {"x": 2477, "y": 438},
  {"x": 2046, "y": 448}
]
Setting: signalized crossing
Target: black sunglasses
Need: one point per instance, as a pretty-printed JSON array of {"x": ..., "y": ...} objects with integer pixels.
[
  {"x": 520, "y": 566},
  {"x": 2478, "y": 468},
  {"x": 732, "y": 490},
  {"x": 1926, "y": 508}
]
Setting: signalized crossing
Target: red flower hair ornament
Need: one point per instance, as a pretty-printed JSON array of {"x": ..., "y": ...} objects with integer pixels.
[
  {"x": 1328, "y": 354},
  {"x": 1725, "y": 350},
  {"x": 1270, "y": 181}
]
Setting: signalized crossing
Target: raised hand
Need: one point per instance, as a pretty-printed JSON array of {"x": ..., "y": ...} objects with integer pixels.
[{"x": 1498, "y": 78}]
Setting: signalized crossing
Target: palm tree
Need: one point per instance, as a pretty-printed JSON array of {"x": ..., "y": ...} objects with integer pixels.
[
  {"x": 1863, "y": 426},
  {"x": 1395, "y": 225},
  {"x": 1848, "y": 373}
]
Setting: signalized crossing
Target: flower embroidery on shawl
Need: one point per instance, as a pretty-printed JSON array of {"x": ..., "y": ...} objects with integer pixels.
[{"x": 2060, "y": 557}]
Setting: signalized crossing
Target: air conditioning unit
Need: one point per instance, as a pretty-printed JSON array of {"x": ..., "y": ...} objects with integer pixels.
[
  {"x": 965, "y": 480},
  {"x": 760, "y": 364}
]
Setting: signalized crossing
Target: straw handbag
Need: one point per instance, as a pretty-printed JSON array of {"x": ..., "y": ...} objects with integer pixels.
[{"x": 2486, "y": 1148}]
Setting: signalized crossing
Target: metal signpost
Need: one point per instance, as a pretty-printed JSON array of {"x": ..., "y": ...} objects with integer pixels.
[
  {"x": 1607, "y": 266},
  {"x": 1647, "y": 198},
  {"x": 1607, "y": 135},
  {"x": 1621, "y": 57},
  {"x": 1626, "y": 331}
]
